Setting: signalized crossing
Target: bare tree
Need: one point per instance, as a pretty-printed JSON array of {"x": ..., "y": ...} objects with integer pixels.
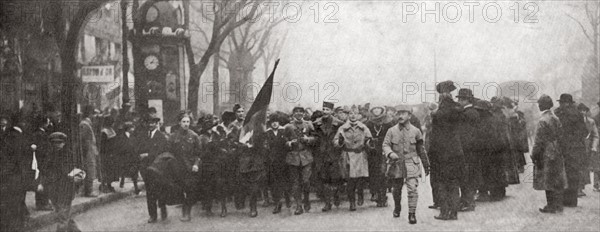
[
  {"x": 228, "y": 15},
  {"x": 591, "y": 30},
  {"x": 247, "y": 45}
]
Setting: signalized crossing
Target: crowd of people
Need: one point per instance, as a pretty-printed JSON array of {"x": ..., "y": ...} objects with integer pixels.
[{"x": 472, "y": 148}]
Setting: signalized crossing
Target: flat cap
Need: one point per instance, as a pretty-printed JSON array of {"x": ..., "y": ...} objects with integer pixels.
[{"x": 58, "y": 136}]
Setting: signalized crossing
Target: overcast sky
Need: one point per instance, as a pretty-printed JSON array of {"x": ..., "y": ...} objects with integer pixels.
[{"x": 371, "y": 51}]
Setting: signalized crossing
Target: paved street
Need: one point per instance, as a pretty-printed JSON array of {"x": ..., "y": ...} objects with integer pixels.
[{"x": 519, "y": 211}]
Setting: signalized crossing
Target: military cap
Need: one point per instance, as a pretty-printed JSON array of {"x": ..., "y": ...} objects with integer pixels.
[
  {"x": 298, "y": 109},
  {"x": 328, "y": 105},
  {"x": 404, "y": 108}
]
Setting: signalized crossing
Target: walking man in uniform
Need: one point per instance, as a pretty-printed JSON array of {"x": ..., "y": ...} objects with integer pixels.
[
  {"x": 403, "y": 148},
  {"x": 300, "y": 137}
]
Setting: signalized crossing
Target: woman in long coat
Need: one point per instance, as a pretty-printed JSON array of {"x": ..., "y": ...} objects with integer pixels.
[
  {"x": 185, "y": 145},
  {"x": 353, "y": 138},
  {"x": 109, "y": 149},
  {"x": 549, "y": 171}
]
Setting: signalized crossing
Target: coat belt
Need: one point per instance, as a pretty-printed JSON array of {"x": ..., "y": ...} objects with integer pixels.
[{"x": 356, "y": 150}]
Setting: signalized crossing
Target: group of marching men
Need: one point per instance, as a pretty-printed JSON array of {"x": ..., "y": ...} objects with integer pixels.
[{"x": 472, "y": 148}]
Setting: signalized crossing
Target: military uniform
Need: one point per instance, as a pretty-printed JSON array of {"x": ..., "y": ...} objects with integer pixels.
[
  {"x": 185, "y": 145},
  {"x": 406, "y": 141},
  {"x": 299, "y": 160}
]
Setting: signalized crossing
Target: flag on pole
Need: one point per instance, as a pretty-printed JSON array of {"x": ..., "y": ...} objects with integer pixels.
[{"x": 257, "y": 115}]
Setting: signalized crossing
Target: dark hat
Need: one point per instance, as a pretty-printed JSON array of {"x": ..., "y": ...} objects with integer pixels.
[
  {"x": 445, "y": 87},
  {"x": 88, "y": 110},
  {"x": 298, "y": 109},
  {"x": 545, "y": 100},
  {"x": 482, "y": 105},
  {"x": 228, "y": 117},
  {"x": 583, "y": 107},
  {"x": 57, "y": 136},
  {"x": 274, "y": 118},
  {"x": 152, "y": 117},
  {"x": 236, "y": 107},
  {"x": 465, "y": 93},
  {"x": 565, "y": 97},
  {"x": 328, "y": 105},
  {"x": 128, "y": 125}
]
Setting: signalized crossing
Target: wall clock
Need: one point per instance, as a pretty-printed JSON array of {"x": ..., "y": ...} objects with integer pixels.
[{"x": 151, "y": 62}]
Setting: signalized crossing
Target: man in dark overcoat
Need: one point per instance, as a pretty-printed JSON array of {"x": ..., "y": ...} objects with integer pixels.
[
  {"x": 572, "y": 141},
  {"x": 377, "y": 164},
  {"x": 549, "y": 169},
  {"x": 446, "y": 151},
  {"x": 12, "y": 214},
  {"x": 152, "y": 144},
  {"x": 41, "y": 145},
  {"x": 57, "y": 180},
  {"x": 328, "y": 158},
  {"x": 470, "y": 121}
]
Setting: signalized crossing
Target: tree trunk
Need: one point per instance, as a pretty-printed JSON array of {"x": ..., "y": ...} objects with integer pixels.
[{"x": 216, "y": 93}]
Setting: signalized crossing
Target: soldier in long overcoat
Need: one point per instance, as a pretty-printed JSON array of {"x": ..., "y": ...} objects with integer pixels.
[
  {"x": 354, "y": 138},
  {"x": 549, "y": 170},
  {"x": 185, "y": 145},
  {"x": 377, "y": 165},
  {"x": 328, "y": 158},
  {"x": 404, "y": 151},
  {"x": 572, "y": 141}
]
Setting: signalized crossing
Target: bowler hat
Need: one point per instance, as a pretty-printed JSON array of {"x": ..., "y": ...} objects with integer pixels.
[
  {"x": 445, "y": 87},
  {"x": 546, "y": 101},
  {"x": 152, "y": 117},
  {"x": 565, "y": 97},
  {"x": 465, "y": 93},
  {"x": 57, "y": 137}
]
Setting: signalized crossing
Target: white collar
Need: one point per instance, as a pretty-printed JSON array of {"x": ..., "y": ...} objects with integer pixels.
[{"x": 18, "y": 129}]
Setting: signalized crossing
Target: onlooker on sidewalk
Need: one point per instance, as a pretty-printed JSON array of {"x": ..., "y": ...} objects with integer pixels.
[
  {"x": 41, "y": 146},
  {"x": 87, "y": 140},
  {"x": 109, "y": 147}
]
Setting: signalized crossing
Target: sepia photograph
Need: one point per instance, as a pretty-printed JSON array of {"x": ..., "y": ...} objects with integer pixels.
[{"x": 299, "y": 115}]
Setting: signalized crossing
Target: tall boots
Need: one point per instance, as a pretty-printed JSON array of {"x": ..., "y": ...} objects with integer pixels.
[
  {"x": 327, "y": 192},
  {"x": 185, "y": 213},
  {"x": 253, "y": 211}
]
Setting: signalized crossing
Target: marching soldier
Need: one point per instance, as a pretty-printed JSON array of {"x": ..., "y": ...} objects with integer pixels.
[
  {"x": 185, "y": 145},
  {"x": 329, "y": 157},
  {"x": 300, "y": 137},
  {"x": 403, "y": 148},
  {"x": 353, "y": 138},
  {"x": 377, "y": 165}
]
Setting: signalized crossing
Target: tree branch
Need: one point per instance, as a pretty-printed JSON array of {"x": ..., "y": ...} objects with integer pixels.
[{"x": 582, "y": 28}]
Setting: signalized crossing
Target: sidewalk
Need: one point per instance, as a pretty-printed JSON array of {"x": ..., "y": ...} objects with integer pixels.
[{"x": 39, "y": 219}]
